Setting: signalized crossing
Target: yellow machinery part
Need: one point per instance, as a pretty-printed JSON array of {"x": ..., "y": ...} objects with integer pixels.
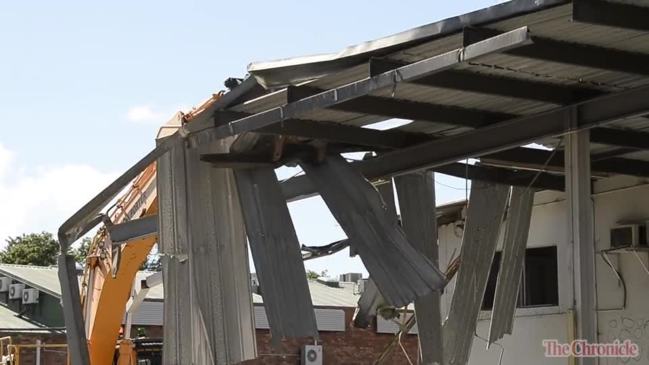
[{"x": 110, "y": 306}]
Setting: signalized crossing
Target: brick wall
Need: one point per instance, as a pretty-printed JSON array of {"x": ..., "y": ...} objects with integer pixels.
[
  {"x": 352, "y": 347},
  {"x": 52, "y": 356}
]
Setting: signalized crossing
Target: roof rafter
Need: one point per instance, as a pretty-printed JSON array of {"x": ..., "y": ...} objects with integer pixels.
[
  {"x": 404, "y": 109},
  {"x": 614, "y": 14},
  {"x": 570, "y": 53},
  {"x": 495, "y": 85}
]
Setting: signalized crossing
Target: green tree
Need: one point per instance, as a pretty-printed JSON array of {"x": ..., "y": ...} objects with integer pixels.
[
  {"x": 81, "y": 252},
  {"x": 312, "y": 275},
  {"x": 39, "y": 249}
]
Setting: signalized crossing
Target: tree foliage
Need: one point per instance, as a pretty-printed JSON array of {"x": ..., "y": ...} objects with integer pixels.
[
  {"x": 39, "y": 249},
  {"x": 312, "y": 275},
  {"x": 81, "y": 252}
]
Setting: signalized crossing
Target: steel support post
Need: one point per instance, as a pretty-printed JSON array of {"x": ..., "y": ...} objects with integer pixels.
[{"x": 581, "y": 243}]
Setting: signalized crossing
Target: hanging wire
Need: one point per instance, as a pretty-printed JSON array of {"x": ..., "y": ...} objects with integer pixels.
[{"x": 502, "y": 348}]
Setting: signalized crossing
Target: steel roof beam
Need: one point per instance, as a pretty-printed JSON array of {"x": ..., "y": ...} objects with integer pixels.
[
  {"x": 578, "y": 54},
  {"x": 554, "y": 161},
  {"x": 405, "y": 109},
  {"x": 611, "y": 13},
  {"x": 333, "y": 132},
  {"x": 498, "y": 137},
  {"x": 494, "y": 84},
  {"x": 300, "y": 187},
  {"x": 330, "y": 98},
  {"x": 136, "y": 228},
  {"x": 511, "y": 133},
  {"x": 620, "y": 137}
]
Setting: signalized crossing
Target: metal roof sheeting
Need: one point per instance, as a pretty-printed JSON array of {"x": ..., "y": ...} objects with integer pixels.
[
  {"x": 45, "y": 278},
  {"x": 9, "y": 320},
  {"x": 548, "y": 19},
  {"x": 322, "y": 295}
]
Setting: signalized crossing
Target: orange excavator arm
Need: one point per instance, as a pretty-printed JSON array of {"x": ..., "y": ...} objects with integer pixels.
[{"x": 111, "y": 268}]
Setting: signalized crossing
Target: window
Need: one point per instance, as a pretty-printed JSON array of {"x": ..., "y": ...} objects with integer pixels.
[{"x": 539, "y": 284}]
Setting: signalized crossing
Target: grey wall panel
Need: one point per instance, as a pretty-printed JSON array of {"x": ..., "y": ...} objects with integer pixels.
[
  {"x": 149, "y": 313},
  {"x": 172, "y": 221},
  {"x": 417, "y": 202},
  {"x": 401, "y": 273},
  {"x": 371, "y": 297},
  {"x": 511, "y": 263},
  {"x": 276, "y": 253},
  {"x": 218, "y": 260},
  {"x": 208, "y": 303},
  {"x": 484, "y": 218}
]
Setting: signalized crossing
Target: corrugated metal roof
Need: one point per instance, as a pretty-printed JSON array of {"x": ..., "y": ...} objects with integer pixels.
[
  {"x": 548, "y": 19},
  {"x": 323, "y": 295},
  {"x": 9, "y": 320},
  {"x": 45, "y": 278}
]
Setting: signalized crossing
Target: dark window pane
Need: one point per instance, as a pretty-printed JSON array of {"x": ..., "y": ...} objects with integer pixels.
[{"x": 539, "y": 285}]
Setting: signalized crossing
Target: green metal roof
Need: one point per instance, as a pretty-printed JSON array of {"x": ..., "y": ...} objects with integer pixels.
[
  {"x": 9, "y": 321},
  {"x": 323, "y": 295},
  {"x": 43, "y": 278},
  {"x": 47, "y": 280}
]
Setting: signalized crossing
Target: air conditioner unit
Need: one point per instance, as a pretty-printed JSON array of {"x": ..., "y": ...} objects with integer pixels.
[
  {"x": 16, "y": 291},
  {"x": 4, "y": 284},
  {"x": 30, "y": 296},
  {"x": 628, "y": 235},
  {"x": 311, "y": 355}
]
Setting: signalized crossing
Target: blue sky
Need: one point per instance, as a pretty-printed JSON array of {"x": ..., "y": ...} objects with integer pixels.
[{"x": 85, "y": 85}]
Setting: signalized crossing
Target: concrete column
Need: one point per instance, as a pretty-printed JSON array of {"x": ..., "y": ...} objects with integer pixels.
[{"x": 581, "y": 242}]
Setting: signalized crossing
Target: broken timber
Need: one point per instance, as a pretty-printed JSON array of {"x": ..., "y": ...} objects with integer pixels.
[
  {"x": 276, "y": 253},
  {"x": 400, "y": 272},
  {"x": 484, "y": 218},
  {"x": 511, "y": 263},
  {"x": 416, "y": 194}
]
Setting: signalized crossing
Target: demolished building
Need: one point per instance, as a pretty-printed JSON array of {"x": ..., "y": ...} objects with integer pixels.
[{"x": 569, "y": 75}]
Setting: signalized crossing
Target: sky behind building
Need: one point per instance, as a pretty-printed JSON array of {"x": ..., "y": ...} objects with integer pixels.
[{"x": 85, "y": 85}]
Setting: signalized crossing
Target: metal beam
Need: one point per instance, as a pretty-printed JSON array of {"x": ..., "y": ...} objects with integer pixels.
[
  {"x": 74, "y": 325},
  {"x": 301, "y": 187},
  {"x": 570, "y": 53},
  {"x": 554, "y": 161},
  {"x": 620, "y": 137},
  {"x": 511, "y": 133},
  {"x": 238, "y": 160},
  {"x": 137, "y": 228},
  {"x": 580, "y": 251},
  {"x": 611, "y": 13},
  {"x": 511, "y": 87},
  {"x": 399, "y": 271},
  {"x": 329, "y": 98},
  {"x": 332, "y": 132},
  {"x": 416, "y": 194},
  {"x": 405, "y": 109}
]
